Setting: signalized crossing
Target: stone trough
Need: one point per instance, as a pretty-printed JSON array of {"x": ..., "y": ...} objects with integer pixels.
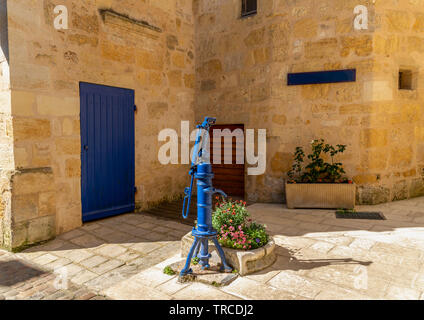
[{"x": 246, "y": 262}]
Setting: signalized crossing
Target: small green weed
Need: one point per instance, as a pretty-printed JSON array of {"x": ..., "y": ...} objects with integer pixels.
[{"x": 168, "y": 270}]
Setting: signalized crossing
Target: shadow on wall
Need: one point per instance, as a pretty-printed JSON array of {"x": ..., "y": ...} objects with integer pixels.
[{"x": 4, "y": 38}]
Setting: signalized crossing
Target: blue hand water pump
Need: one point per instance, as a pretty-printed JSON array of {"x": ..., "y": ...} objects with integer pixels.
[{"x": 201, "y": 169}]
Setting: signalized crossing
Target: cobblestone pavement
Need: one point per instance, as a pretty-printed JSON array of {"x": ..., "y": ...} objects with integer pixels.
[
  {"x": 319, "y": 257},
  {"x": 20, "y": 279},
  {"x": 95, "y": 256}
]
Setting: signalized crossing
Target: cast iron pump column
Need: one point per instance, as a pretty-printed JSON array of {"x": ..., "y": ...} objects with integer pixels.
[{"x": 201, "y": 169}]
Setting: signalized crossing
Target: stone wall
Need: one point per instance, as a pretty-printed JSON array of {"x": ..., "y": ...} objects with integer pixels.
[
  {"x": 142, "y": 45},
  {"x": 241, "y": 77},
  {"x": 392, "y": 161},
  {"x": 6, "y": 142}
]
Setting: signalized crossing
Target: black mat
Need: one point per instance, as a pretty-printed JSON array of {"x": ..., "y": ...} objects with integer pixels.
[{"x": 360, "y": 215}]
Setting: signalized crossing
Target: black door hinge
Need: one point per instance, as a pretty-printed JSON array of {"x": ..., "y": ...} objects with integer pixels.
[
  {"x": 135, "y": 108},
  {"x": 135, "y": 189}
]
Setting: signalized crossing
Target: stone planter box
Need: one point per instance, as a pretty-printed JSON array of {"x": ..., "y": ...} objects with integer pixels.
[
  {"x": 246, "y": 262},
  {"x": 320, "y": 195}
]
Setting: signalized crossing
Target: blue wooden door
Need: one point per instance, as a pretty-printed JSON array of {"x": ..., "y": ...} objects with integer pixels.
[{"x": 107, "y": 151}]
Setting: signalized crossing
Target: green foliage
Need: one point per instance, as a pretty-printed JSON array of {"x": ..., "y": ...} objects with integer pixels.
[
  {"x": 195, "y": 261},
  {"x": 318, "y": 170},
  {"x": 168, "y": 270},
  {"x": 343, "y": 210},
  {"x": 258, "y": 233},
  {"x": 296, "y": 170},
  {"x": 235, "y": 229}
]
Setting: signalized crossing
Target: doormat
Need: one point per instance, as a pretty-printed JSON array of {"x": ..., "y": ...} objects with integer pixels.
[{"x": 360, "y": 215}]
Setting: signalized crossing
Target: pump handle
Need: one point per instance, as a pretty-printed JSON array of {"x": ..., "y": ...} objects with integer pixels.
[{"x": 187, "y": 197}]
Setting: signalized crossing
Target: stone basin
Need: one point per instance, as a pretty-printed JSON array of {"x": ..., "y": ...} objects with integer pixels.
[{"x": 245, "y": 261}]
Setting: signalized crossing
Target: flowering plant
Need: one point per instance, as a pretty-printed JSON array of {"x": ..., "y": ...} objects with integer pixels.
[
  {"x": 235, "y": 228},
  {"x": 318, "y": 170}
]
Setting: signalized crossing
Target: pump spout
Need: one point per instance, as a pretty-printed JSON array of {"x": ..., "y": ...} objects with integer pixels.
[{"x": 212, "y": 191}]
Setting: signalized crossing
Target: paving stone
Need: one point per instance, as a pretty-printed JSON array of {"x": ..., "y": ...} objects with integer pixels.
[
  {"x": 152, "y": 277},
  {"x": 112, "y": 278},
  {"x": 72, "y": 234},
  {"x": 107, "y": 266},
  {"x": 110, "y": 250},
  {"x": 393, "y": 274},
  {"x": 162, "y": 230},
  {"x": 147, "y": 226},
  {"x": 352, "y": 277},
  {"x": 76, "y": 255},
  {"x": 296, "y": 284},
  {"x": 93, "y": 261},
  {"x": 143, "y": 263},
  {"x": 175, "y": 258},
  {"x": 90, "y": 226},
  {"x": 402, "y": 293},
  {"x": 104, "y": 232},
  {"x": 248, "y": 289},
  {"x": 337, "y": 293},
  {"x": 128, "y": 256},
  {"x": 155, "y": 236},
  {"x": 172, "y": 286},
  {"x": 418, "y": 282},
  {"x": 322, "y": 246},
  {"x": 37, "y": 296},
  {"x": 30, "y": 255},
  {"x": 49, "y": 246},
  {"x": 316, "y": 258},
  {"x": 264, "y": 275},
  {"x": 365, "y": 244},
  {"x": 61, "y": 262},
  {"x": 145, "y": 247},
  {"x": 84, "y": 276},
  {"x": 45, "y": 259},
  {"x": 120, "y": 237},
  {"x": 200, "y": 291},
  {"x": 73, "y": 269},
  {"x": 87, "y": 241},
  {"x": 132, "y": 289}
]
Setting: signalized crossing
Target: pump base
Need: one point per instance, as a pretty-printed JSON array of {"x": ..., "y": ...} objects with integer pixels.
[{"x": 201, "y": 243}]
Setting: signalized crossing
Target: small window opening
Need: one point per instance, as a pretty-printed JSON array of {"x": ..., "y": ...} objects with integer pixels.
[
  {"x": 249, "y": 7},
  {"x": 406, "y": 78}
]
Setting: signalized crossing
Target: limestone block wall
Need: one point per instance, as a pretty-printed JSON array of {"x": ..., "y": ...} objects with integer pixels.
[
  {"x": 150, "y": 51},
  {"x": 241, "y": 77},
  {"x": 6, "y": 141},
  {"x": 392, "y": 160}
]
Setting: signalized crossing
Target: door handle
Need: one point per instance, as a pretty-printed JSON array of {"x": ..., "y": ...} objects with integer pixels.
[{"x": 85, "y": 147}]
